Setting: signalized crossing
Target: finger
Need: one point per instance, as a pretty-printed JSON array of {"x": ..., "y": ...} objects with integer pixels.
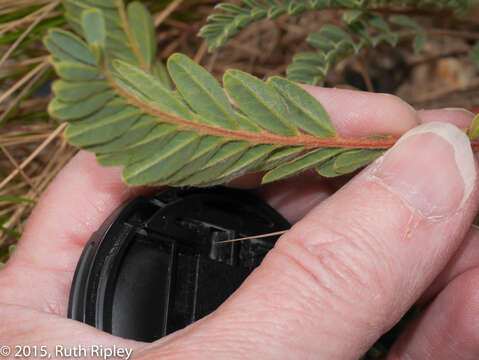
[
  {"x": 465, "y": 258},
  {"x": 296, "y": 196},
  {"x": 45, "y": 336},
  {"x": 350, "y": 269},
  {"x": 361, "y": 113},
  {"x": 295, "y": 201},
  {"x": 447, "y": 329},
  {"x": 462, "y": 118},
  {"x": 71, "y": 209}
]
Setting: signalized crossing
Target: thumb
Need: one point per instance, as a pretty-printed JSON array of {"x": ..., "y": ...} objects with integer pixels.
[{"x": 350, "y": 269}]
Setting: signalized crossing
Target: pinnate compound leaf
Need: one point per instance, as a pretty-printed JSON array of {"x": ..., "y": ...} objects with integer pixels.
[{"x": 177, "y": 125}]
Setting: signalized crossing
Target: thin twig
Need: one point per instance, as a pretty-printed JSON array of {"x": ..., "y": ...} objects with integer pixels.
[
  {"x": 47, "y": 10},
  {"x": 27, "y": 77},
  {"x": 34, "y": 154},
  {"x": 166, "y": 12},
  {"x": 22, "y": 93},
  {"x": 363, "y": 68},
  {"x": 15, "y": 165},
  {"x": 253, "y": 237}
]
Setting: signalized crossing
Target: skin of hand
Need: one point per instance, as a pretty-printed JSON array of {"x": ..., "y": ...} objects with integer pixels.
[{"x": 356, "y": 259}]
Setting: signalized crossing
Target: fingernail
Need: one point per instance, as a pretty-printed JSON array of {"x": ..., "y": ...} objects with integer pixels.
[{"x": 431, "y": 168}]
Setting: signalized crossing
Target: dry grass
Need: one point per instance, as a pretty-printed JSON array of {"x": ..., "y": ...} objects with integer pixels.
[{"x": 32, "y": 146}]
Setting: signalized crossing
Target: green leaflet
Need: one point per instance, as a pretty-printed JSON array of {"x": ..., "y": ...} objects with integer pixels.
[
  {"x": 66, "y": 46},
  {"x": 248, "y": 160},
  {"x": 163, "y": 163},
  {"x": 474, "y": 130},
  {"x": 74, "y": 71},
  {"x": 72, "y": 111},
  {"x": 140, "y": 150},
  {"x": 94, "y": 27},
  {"x": 143, "y": 30},
  {"x": 279, "y": 156},
  {"x": 207, "y": 147},
  {"x": 246, "y": 123},
  {"x": 302, "y": 163},
  {"x": 75, "y": 91},
  {"x": 304, "y": 109},
  {"x": 152, "y": 89},
  {"x": 404, "y": 21},
  {"x": 201, "y": 90},
  {"x": 136, "y": 133},
  {"x": 107, "y": 4},
  {"x": 326, "y": 169},
  {"x": 77, "y": 7},
  {"x": 258, "y": 101},
  {"x": 350, "y": 161},
  {"x": 227, "y": 155},
  {"x": 108, "y": 128},
  {"x": 159, "y": 71}
]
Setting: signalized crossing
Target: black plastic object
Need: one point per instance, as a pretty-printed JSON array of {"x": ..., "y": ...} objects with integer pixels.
[{"x": 154, "y": 266}]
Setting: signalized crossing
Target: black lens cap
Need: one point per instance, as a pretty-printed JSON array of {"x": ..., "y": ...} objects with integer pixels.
[{"x": 155, "y": 265}]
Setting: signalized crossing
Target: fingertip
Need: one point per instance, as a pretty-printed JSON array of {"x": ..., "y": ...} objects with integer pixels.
[
  {"x": 457, "y": 116},
  {"x": 359, "y": 113}
]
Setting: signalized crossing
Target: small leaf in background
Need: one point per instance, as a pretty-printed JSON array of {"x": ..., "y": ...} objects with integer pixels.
[
  {"x": 143, "y": 30},
  {"x": 351, "y": 16},
  {"x": 404, "y": 21},
  {"x": 419, "y": 42},
  {"x": 475, "y": 54},
  {"x": 474, "y": 130},
  {"x": 16, "y": 200},
  {"x": 94, "y": 27}
]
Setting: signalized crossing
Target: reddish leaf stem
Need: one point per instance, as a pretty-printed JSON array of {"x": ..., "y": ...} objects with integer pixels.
[{"x": 308, "y": 141}]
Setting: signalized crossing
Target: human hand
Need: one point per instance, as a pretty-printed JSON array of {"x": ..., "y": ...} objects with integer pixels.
[{"x": 350, "y": 267}]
